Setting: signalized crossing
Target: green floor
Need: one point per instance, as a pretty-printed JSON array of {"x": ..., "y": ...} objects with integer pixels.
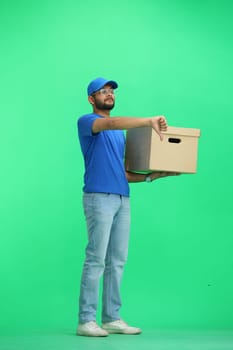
[{"x": 149, "y": 339}]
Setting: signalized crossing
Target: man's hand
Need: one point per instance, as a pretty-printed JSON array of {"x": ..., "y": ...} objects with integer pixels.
[
  {"x": 159, "y": 124},
  {"x": 158, "y": 174}
]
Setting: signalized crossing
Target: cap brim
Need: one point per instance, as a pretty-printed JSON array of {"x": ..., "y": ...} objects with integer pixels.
[{"x": 112, "y": 83}]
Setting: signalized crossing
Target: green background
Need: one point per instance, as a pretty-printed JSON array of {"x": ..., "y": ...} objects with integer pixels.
[{"x": 169, "y": 57}]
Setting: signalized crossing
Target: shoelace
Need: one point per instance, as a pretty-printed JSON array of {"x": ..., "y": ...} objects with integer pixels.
[
  {"x": 93, "y": 324},
  {"x": 121, "y": 322}
]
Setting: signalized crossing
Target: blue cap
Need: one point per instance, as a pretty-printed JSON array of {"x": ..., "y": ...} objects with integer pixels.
[{"x": 98, "y": 83}]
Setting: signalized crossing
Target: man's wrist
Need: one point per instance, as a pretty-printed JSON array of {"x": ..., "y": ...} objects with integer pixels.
[{"x": 148, "y": 178}]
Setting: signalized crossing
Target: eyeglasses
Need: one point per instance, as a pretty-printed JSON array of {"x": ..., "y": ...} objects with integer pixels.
[{"x": 105, "y": 91}]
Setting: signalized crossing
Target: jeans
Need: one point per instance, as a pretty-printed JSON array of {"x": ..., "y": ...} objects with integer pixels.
[{"x": 108, "y": 223}]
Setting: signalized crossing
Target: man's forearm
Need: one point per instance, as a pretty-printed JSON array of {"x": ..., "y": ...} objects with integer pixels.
[
  {"x": 158, "y": 123},
  {"x": 134, "y": 177},
  {"x": 120, "y": 123},
  {"x": 128, "y": 122}
]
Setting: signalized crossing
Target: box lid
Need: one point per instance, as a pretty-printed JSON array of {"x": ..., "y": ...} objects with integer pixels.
[{"x": 182, "y": 131}]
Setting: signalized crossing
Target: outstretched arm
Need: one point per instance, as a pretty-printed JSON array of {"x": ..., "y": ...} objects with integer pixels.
[{"x": 158, "y": 123}]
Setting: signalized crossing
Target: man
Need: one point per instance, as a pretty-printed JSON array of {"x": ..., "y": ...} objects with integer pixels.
[{"x": 106, "y": 207}]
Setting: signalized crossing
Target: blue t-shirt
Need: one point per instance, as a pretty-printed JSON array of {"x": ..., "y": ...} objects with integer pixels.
[{"x": 103, "y": 154}]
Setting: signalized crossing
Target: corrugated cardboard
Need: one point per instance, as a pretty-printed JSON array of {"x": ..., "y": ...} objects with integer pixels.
[{"x": 177, "y": 152}]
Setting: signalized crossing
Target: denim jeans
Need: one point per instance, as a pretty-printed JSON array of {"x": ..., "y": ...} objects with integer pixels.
[{"x": 108, "y": 222}]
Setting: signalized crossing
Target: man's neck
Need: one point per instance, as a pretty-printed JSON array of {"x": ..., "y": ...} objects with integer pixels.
[{"x": 103, "y": 112}]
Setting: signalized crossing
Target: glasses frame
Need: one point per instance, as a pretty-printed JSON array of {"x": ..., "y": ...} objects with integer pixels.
[{"x": 105, "y": 92}]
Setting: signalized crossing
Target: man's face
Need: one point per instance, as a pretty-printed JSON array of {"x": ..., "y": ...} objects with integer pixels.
[{"x": 104, "y": 98}]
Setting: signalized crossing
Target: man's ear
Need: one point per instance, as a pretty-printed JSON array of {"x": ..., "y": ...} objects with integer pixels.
[{"x": 91, "y": 100}]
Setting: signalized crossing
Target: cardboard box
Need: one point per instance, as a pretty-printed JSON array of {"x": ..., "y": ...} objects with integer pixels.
[{"x": 177, "y": 152}]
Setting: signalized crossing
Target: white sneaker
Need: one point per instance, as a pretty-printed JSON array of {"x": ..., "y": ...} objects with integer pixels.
[
  {"x": 120, "y": 327},
  {"x": 91, "y": 329}
]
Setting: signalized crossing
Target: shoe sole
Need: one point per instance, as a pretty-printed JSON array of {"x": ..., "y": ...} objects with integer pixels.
[
  {"x": 91, "y": 335},
  {"x": 113, "y": 331}
]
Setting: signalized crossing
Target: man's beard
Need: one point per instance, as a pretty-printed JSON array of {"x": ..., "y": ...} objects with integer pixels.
[{"x": 103, "y": 105}]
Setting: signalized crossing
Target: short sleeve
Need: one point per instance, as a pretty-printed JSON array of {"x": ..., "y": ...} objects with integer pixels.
[{"x": 85, "y": 124}]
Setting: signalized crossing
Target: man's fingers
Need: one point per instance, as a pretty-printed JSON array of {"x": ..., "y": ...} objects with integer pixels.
[
  {"x": 159, "y": 124},
  {"x": 162, "y": 126},
  {"x": 163, "y": 123},
  {"x": 168, "y": 173}
]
